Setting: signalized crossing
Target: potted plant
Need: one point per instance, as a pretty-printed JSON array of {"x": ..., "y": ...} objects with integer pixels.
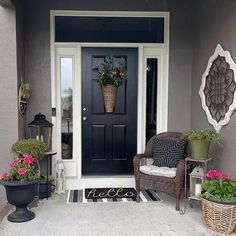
[
  {"x": 33, "y": 147},
  {"x": 219, "y": 202},
  {"x": 46, "y": 187},
  {"x": 200, "y": 141},
  {"x": 20, "y": 181},
  {"x": 110, "y": 78},
  {"x": 37, "y": 149}
]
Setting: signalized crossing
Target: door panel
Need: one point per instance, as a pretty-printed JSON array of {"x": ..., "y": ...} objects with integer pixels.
[{"x": 109, "y": 141}]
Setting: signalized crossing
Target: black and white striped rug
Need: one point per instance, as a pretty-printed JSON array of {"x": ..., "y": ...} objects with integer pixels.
[{"x": 95, "y": 195}]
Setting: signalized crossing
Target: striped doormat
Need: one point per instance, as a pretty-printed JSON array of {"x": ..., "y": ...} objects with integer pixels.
[{"x": 75, "y": 196}]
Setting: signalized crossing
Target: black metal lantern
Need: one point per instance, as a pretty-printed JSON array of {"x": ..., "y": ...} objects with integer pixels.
[{"x": 41, "y": 129}]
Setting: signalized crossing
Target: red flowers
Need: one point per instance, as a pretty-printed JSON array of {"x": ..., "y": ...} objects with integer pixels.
[
  {"x": 214, "y": 174},
  {"x": 21, "y": 171},
  {"x": 14, "y": 162},
  {"x": 28, "y": 159},
  {"x": 223, "y": 175},
  {"x": 21, "y": 168},
  {"x": 5, "y": 175}
]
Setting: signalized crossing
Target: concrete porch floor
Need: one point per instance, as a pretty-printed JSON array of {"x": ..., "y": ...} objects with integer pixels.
[{"x": 54, "y": 217}]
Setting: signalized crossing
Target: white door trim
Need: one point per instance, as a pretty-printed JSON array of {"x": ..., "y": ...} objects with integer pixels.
[{"x": 159, "y": 51}]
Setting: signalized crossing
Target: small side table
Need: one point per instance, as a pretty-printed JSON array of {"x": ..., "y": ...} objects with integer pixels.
[
  {"x": 48, "y": 155},
  {"x": 190, "y": 162}
]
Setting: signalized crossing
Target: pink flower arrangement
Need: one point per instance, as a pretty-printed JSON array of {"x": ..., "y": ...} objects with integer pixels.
[
  {"x": 28, "y": 159},
  {"x": 21, "y": 168},
  {"x": 219, "y": 187},
  {"x": 214, "y": 174},
  {"x": 5, "y": 175},
  {"x": 223, "y": 175},
  {"x": 21, "y": 171},
  {"x": 14, "y": 162}
]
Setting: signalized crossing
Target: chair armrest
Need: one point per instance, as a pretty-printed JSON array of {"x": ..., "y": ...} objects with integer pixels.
[
  {"x": 138, "y": 158},
  {"x": 137, "y": 162},
  {"x": 180, "y": 172}
]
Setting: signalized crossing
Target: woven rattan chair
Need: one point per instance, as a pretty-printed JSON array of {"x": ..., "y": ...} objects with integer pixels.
[{"x": 171, "y": 186}]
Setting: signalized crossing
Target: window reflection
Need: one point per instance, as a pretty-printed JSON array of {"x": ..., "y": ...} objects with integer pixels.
[
  {"x": 151, "y": 97},
  {"x": 66, "y": 108}
]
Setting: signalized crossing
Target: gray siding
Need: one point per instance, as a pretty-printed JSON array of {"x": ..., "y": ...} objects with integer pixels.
[
  {"x": 214, "y": 26},
  {"x": 8, "y": 85}
]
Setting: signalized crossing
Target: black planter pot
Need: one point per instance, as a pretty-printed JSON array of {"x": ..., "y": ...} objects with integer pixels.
[
  {"x": 20, "y": 194},
  {"x": 45, "y": 189}
]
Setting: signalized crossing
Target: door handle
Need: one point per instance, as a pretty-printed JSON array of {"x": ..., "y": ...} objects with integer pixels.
[
  {"x": 84, "y": 109},
  {"x": 84, "y": 118}
]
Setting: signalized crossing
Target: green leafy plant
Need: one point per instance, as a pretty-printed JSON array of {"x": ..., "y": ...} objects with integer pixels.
[
  {"x": 219, "y": 187},
  {"x": 109, "y": 73},
  {"x": 43, "y": 179},
  {"x": 207, "y": 134},
  {"x": 21, "y": 169},
  {"x": 33, "y": 147}
]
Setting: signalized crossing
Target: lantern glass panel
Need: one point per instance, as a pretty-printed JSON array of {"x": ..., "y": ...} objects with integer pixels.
[
  {"x": 196, "y": 186},
  {"x": 34, "y": 132},
  {"x": 46, "y": 136}
]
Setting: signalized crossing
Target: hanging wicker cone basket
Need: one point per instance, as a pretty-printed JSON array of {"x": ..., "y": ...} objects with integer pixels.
[
  {"x": 109, "y": 96},
  {"x": 219, "y": 217}
]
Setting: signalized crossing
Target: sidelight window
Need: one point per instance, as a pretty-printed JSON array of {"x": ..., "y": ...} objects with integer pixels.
[
  {"x": 151, "y": 97},
  {"x": 66, "y": 71}
]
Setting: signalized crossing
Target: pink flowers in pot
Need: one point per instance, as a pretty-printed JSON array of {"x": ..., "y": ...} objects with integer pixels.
[
  {"x": 28, "y": 159},
  {"x": 214, "y": 174},
  {"x": 14, "y": 162},
  {"x": 21, "y": 169},
  {"x": 219, "y": 187}
]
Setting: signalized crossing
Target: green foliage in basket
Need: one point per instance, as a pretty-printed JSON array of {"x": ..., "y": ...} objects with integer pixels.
[{"x": 33, "y": 147}]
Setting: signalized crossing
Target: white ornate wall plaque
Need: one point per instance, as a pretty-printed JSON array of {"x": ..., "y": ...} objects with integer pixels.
[{"x": 218, "y": 88}]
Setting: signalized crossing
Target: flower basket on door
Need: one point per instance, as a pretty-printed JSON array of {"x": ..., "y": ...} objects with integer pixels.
[
  {"x": 109, "y": 96},
  {"x": 111, "y": 75}
]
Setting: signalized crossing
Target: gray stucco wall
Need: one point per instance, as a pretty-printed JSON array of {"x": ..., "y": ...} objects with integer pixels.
[
  {"x": 8, "y": 85},
  {"x": 20, "y": 60},
  {"x": 214, "y": 26},
  {"x": 37, "y": 51}
]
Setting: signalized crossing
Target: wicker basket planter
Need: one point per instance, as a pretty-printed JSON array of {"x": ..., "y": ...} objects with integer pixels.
[
  {"x": 109, "y": 95},
  {"x": 220, "y": 217}
]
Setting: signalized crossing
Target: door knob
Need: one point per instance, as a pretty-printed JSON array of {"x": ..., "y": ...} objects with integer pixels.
[
  {"x": 84, "y": 109},
  {"x": 84, "y": 118}
]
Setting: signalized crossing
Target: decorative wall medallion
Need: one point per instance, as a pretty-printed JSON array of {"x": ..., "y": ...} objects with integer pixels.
[
  {"x": 218, "y": 88},
  {"x": 24, "y": 95}
]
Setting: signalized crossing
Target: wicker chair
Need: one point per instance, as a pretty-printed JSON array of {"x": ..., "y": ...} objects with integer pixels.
[{"x": 171, "y": 186}]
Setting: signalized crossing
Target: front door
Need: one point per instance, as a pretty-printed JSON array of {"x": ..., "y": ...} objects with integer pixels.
[{"x": 109, "y": 140}]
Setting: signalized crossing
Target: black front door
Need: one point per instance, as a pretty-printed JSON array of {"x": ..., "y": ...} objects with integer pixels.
[{"x": 109, "y": 140}]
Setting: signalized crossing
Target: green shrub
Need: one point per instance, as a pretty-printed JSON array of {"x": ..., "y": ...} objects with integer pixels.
[
  {"x": 33, "y": 147},
  {"x": 207, "y": 134}
]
